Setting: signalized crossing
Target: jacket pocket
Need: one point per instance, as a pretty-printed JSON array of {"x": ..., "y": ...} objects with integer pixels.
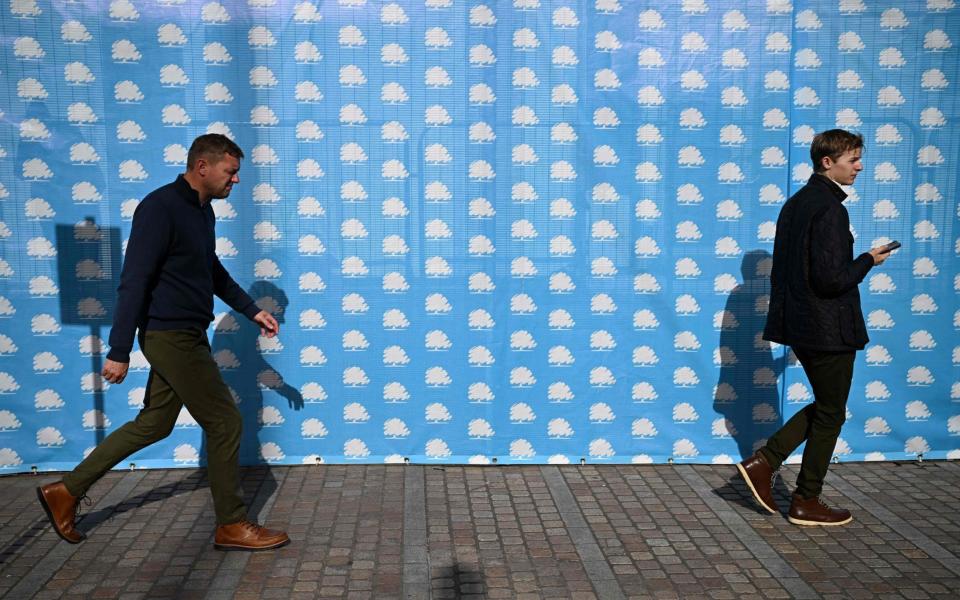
[{"x": 847, "y": 326}]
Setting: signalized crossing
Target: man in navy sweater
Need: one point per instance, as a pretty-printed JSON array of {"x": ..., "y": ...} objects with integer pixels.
[
  {"x": 170, "y": 275},
  {"x": 815, "y": 308}
]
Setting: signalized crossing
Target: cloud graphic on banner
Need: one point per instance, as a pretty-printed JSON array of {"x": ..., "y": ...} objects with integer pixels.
[{"x": 410, "y": 262}]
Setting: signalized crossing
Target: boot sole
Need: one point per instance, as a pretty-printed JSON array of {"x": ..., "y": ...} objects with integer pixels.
[
  {"x": 803, "y": 523},
  {"x": 238, "y": 548},
  {"x": 753, "y": 490},
  {"x": 53, "y": 523}
]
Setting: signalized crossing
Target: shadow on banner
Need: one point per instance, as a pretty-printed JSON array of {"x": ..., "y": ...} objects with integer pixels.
[
  {"x": 747, "y": 394},
  {"x": 88, "y": 269},
  {"x": 242, "y": 354}
]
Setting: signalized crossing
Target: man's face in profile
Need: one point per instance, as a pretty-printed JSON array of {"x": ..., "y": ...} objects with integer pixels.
[
  {"x": 845, "y": 168},
  {"x": 219, "y": 176}
]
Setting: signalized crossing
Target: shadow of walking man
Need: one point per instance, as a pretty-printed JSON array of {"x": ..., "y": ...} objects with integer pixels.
[
  {"x": 242, "y": 353},
  {"x": 747, "y": 394}
]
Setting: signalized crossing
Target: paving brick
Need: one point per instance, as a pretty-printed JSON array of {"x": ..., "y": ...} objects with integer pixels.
[{"x": 635, "y": 530}]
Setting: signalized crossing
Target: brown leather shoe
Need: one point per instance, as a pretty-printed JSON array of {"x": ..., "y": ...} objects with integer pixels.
[
  {"x": 244, "y": 535},
  {"x": 61, "y": 509},
  {"x": 759, "y": 476},
  {"x": 814, "y": 511}
]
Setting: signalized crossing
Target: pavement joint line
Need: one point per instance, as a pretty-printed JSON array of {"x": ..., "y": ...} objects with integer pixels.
[
  {"x": 594, "y": 562},
  {"x": 231, "y": 568},
  {"x": 416, "y": 559},
  {"x": 768, "y": 556},
  {"x": 898, "y": 524},
  {"x": 953, "y": 465},
  {"x": 54, "y": 560}
]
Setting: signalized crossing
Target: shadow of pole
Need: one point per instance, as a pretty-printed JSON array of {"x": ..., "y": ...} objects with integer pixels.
[
  {"x": 455, "y": 581},
  {"x": 88, "y": 271}
]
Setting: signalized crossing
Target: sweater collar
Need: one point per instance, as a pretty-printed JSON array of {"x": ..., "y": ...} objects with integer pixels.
[
  {"x": 190, "y": 195},
  {"x": 823, "y": 181}
]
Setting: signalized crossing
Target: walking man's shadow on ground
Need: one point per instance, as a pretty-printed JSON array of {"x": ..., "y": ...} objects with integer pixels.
[
  {"x": 251, "y": 377},
  {"x": 747, "y": 395}
]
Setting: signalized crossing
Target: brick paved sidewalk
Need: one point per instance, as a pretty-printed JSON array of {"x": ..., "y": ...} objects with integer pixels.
[{"x": 594, "y": 531}]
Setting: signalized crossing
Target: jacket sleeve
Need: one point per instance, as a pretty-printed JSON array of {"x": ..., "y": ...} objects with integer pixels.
[
  {"x": 832, "y": 274},
  {"x": 230, "y": 292},
  {"x": 147, "y": 247}
]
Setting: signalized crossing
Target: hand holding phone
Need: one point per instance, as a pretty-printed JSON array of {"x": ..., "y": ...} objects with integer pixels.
[
  {"x": 891, "y": 246},
  {"x": 882, "y": 253}
]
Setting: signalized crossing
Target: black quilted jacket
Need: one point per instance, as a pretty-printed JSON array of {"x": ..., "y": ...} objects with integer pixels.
[{"x": 814, "y": 300}]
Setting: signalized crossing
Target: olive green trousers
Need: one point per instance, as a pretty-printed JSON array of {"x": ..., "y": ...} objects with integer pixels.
[{"x": 182, "y": 373}]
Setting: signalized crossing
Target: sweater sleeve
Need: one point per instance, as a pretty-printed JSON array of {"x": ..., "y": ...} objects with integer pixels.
[
  {"x": 150, "y": 236},
  {"x": 831, "y": 272},
  {"x": 230, "y": 292}
]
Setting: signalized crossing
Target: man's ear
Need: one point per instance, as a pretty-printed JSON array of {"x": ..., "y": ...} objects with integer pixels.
[{"x": 826, "y": 162}]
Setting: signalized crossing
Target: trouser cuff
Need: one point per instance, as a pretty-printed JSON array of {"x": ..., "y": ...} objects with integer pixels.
[{"x": 71, "y": 487}]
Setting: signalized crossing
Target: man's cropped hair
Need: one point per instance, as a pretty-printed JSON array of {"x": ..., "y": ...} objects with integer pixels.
[
  {"x": 212, "y": 147},
  {"x": 832, "y": 143}
]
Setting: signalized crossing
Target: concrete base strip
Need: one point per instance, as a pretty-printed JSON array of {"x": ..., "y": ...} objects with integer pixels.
[
  {"x": 594, "y": 562},
  {"x": 901, "y": 526},
  {"x": 231, "y": 568},
  {"x": 58, "y": 556},
  {"x": 771, "y": 561},
  {"x": 416, "y": 560}
]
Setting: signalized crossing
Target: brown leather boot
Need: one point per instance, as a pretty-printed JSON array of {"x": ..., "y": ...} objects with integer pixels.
[
  {"x": 61, "y": 509},
  {"x": 244, "y": 535},
  {"x": 814, "y": 511},
  {"x": 759, "y": 476}
]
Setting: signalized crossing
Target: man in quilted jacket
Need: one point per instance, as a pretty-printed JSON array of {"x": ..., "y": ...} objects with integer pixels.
[{"x": 815, "y": 309}]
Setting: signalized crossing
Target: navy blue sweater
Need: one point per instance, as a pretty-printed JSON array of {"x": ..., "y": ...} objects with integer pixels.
[{"x": 171, "y": 271}]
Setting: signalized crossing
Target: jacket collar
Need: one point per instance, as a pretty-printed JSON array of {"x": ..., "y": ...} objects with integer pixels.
[
  {"x": 186, "y": 192},
  {"x": 824, "y": 182}
]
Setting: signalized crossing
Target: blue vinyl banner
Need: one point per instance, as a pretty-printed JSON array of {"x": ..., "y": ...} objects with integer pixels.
[{"x": 525, "y": 231}]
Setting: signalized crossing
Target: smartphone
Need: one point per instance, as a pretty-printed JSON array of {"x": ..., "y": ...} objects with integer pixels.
[{"x": 891, "y": 246}]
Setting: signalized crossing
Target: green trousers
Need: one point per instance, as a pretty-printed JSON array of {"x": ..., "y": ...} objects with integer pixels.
[
  {"x": 182, "y": 373},
  {"x": 830, "y": 375}
]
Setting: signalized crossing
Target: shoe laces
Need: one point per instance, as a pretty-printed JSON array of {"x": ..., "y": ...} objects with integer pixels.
[
  {"x": 82, "y": 501},
  {"x": 253, "y": 527}
]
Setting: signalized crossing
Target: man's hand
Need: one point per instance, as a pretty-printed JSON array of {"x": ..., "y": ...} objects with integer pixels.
[
  {"x": 879, "y": 255},
  {"x": 115, "y": 372},
  {"x": 268, "y": 325}
]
